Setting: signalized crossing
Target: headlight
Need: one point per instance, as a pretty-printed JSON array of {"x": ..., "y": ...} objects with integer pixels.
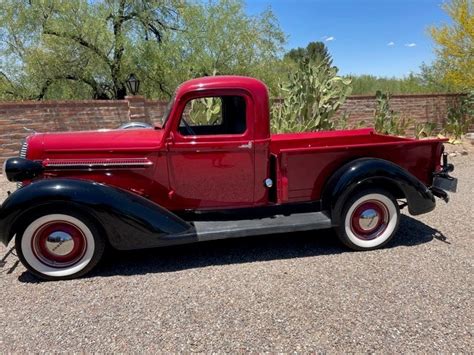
[{"x": 20, "y": 169}]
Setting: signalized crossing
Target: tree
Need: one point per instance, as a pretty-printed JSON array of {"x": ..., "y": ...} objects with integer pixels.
[
  {"x": 80, "y": 47},
  {"x": 315, "y": 52},
  {"x": 425, "y": 82},
  {"x": 432, "y": 77},
  {"x": 220, "y": 38},
  {"x": 456, "y": 44}
]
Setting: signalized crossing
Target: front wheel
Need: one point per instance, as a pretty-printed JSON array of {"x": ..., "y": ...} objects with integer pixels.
[
  {"x": 369, "y": 220},
  {"x": 59, "y": 245}
]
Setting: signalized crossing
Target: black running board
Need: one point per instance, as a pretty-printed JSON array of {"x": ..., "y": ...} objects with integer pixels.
[
  {"x": 200, "y": 231},
  {"x": 213, "y": 230}
]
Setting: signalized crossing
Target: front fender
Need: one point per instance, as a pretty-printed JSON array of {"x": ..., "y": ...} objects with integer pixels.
[
  {"x": 379, "y": 173},
  {"x": 130, "y": 221}
]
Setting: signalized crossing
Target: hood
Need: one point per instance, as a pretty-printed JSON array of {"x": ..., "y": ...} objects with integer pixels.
[{"x": 102, "y": 141}]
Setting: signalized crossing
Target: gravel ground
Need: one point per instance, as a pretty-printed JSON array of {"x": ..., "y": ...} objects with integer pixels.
[{"x": 297, "y": 292}]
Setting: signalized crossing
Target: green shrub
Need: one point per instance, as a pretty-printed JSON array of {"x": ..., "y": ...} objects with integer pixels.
[
  {"x": 460, "y": 117},
  {"x": 425, "y": 129}
]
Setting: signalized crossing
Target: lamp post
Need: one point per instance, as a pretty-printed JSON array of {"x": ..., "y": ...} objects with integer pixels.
[
  {"x": 136, "y": 104},
  {"x": 133, "y": 84}
]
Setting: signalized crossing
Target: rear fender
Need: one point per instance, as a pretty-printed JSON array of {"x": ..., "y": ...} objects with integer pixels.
[
  {"x": 375, "y": 172},
  {"x": 130, "y": 221}
]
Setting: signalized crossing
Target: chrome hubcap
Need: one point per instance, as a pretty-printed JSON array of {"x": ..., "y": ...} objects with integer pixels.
[
  {"x": 368, "y": 219},
  {"x": 60, "y": 243}
]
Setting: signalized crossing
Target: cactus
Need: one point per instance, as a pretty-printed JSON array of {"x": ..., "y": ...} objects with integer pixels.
[
  {"x": 312, "y": 96},
  {"x": 205, "y": 111},
  {"x": 387, "y": 121}
]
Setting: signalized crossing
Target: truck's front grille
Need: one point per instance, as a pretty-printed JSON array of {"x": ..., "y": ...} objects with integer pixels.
[
  {"x": 24, "y": 149},
  {"x": 23, "y": 153}
]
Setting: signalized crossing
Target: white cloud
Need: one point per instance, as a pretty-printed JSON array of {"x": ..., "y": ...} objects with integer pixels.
[
  {"x": 329, "y": 38},
  {"x": 391, "y": 44},
  {"x": 410, "y": 45}
]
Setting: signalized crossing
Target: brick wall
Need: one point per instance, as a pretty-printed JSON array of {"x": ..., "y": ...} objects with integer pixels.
[
  {"x": 94, "y": 114},
  {"x": 419, "y": 108},
  {"x": 54, "y": 116},
  {"x": 155, "y": 110}
]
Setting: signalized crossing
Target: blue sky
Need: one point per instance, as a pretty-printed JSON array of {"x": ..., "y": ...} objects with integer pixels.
[{"x": 378, "y": 37}]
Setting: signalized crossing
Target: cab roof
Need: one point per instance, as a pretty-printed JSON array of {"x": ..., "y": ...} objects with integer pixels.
[
  {"x": 252, "y": 85},
  {"x": 217, "y": 86}
]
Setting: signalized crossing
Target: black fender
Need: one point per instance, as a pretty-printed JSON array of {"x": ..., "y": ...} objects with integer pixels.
[
  {"x": 128, "y": 220},
  {"x": 380, "y": 173}
]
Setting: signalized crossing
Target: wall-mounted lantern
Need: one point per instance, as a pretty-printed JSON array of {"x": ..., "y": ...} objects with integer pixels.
[{"x": 133, "y": 84}]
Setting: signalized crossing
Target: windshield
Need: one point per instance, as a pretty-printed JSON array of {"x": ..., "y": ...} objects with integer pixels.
[{"x": 166, "y": 116}]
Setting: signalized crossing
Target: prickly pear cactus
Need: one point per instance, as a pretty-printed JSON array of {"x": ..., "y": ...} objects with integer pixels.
[
  {"x": 312, "y": 96},
  {"x": 205, "y": 111}
]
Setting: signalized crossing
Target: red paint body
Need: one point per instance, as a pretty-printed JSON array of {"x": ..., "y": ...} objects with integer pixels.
[{"x": 223, "y": 171}]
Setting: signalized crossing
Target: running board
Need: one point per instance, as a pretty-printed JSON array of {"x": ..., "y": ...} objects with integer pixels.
[{"x": 212, "y": 230}]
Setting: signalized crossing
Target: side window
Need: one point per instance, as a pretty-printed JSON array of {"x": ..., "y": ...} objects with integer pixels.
[{"x": 213, "y": 116}]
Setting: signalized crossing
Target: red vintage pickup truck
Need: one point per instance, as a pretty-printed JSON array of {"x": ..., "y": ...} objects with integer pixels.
[{"x": 211, "y": 170}]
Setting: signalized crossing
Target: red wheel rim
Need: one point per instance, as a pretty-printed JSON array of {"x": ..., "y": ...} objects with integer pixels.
[
  {"x": 59, "y": 244},
  {"x": 369, "y": 220}
]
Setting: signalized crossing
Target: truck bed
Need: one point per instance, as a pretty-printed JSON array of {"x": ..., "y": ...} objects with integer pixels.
[
  {"x": 330, "y": 139},
  {"x": 305, "y": 160}
]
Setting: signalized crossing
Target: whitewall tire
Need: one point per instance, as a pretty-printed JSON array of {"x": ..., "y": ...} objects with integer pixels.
[
  {"x": 369, "y": 220},
  {"x": 56, "y": 246}
]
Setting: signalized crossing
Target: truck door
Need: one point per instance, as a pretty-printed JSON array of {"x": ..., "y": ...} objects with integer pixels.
[{"x": 211, "y": 153}]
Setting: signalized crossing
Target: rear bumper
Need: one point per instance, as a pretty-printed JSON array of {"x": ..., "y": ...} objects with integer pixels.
[{"x": 443, "y": 182}]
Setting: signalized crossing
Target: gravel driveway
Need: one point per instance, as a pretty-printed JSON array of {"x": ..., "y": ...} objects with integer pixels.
[{"x": 297, "y": 292}]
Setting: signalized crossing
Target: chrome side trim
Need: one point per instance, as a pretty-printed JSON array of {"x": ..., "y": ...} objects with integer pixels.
[{"x": 96, "y": 164}]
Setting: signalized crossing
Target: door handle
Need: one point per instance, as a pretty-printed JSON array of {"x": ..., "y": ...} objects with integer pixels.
[
  {"x": 169, "y": 140},
  {"x": 249, "y": 145}
]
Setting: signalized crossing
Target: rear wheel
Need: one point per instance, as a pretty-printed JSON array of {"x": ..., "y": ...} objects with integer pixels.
[
  {"x": 369, "y": 220},
  {"x": 59, "y": 245}
]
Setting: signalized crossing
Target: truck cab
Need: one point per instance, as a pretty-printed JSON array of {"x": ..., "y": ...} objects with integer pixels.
[{"x": 218, "y": 134}]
